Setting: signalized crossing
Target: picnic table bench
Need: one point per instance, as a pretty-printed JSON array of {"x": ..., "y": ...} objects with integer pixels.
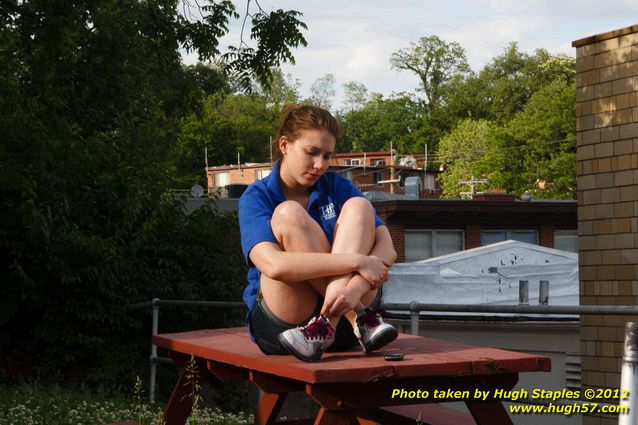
[{"x": 352, "y": 387}]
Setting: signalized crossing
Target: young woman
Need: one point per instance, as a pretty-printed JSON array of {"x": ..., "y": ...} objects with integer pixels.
[{"x": 317, "y": 252}]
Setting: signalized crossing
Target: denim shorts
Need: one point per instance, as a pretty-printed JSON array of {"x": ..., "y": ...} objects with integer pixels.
[{"x": 266, "y": 327}]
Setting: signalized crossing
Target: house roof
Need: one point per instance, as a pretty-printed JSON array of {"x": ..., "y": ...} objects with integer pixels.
[{"x": 559, "y": 213}]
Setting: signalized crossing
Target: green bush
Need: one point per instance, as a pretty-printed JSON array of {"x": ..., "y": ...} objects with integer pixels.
[
  {"x": 37, "y": 405},
  {"x": 73, "y": 322}
]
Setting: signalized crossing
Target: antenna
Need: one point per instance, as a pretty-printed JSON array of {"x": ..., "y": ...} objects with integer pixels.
[{"x": 197, "y": 191}]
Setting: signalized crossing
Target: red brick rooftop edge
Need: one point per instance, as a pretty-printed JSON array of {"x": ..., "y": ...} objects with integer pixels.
[{"x": 605, "y": 36}]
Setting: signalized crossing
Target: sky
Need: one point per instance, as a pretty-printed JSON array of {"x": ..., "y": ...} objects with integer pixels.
[{"x": 353, "y": 40}]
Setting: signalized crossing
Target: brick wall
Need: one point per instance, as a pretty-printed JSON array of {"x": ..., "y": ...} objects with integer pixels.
[
  {"x": 546, "y": 235},
  {"x": 397, "y": 232},
  {"x": 607, "y": 152},
  {"x": 472, "y": 236}
]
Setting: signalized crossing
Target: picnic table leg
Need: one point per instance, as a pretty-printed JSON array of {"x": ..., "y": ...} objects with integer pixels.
[
  {"x": 335, "y": 417},
  {"x": 491, "y": 412},
  {"x": 180, "y": 404},
  {"x": 488, "y": 412},
  {"x": 365, "y": 418},
  {"x": 268, "y": 408},
  {"x": 274, "y": 390}
]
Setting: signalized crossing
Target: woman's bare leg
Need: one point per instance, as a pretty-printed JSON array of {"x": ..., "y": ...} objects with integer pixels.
[
  {"x": 295, "y": 231},
  {"x": 354, "y": 233}
]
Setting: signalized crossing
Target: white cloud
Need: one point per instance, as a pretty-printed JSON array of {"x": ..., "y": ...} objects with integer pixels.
[{"x": 353, "y": 40}]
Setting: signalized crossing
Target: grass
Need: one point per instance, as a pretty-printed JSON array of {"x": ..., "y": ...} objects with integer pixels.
[{"x": 34, "y": 404}]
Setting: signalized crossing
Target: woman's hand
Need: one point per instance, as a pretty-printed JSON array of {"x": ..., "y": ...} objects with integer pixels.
[
  {"x": 339, "y": 300},
  {"x": 373, "y": 269}
]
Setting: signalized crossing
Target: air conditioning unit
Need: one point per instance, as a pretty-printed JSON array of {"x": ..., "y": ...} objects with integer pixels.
[{"x": 413, "y": 187}]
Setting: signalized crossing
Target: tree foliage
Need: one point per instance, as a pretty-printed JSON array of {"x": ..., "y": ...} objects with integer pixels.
[
  {"x": 95, "y": 114},
  {"x": 322, "y": 92},
  {"x": 435, "y": 62},
  {"x": 473, "y": 149},
  {"x": 531, "y": 97},
  {"x": 398, "y": 119},
  {"x": 505, "y": 85},
  {"x": 355, "y": 96},
  {"x": 544, "y": 133}
]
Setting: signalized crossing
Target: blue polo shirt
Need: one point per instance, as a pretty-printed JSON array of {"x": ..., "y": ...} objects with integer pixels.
[{"x": 258, "y": 203}]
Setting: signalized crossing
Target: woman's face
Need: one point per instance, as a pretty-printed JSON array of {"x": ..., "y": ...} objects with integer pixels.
[{"x": 306, "y": 158}]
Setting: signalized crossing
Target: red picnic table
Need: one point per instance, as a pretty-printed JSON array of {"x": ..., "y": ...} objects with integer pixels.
[{"x": 352, "y": 387}]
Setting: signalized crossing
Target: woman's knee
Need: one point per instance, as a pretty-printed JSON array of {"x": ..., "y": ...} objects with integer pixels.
[
  {"x": 358, "y": 207},
  {"x": 287, "y": 214}
]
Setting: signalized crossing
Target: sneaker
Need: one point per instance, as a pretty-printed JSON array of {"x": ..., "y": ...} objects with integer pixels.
[
  {"x": 372, "y": 332},
  {"x": 309, "y": 342}
]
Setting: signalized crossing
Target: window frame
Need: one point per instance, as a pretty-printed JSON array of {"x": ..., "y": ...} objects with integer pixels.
[
  {"x": 508, "y": 233},
  {"x": 566, "y": 232},
  {"x": 433, "y": 247},
  {"x": 352, "y": 162},
  {"x": 218, "y": 177}
]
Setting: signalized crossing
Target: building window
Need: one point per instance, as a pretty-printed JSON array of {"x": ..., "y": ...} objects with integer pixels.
[
  {"x": 260, "y": 174},
  {"x": 222, "y": 179},
  {"x": 493, "y": 236},
  {"x": 566, "y": 240},
  {"x": 424, "y": 244},
  {"x": 378, "y": 175},
  {"x": 351, "y": 162},
  {"x": 378, "y": 163}
]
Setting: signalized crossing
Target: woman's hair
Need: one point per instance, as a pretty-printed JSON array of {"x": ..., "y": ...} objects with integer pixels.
[{"x": 298, "y": 118}]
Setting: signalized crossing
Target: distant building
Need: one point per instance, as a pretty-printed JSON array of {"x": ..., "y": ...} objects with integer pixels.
[
  {"x": 423, "y": 229},
  {"x": 370, "y": 171}
]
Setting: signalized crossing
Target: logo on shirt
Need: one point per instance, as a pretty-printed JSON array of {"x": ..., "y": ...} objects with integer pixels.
[{"x": 328, "y": 211}]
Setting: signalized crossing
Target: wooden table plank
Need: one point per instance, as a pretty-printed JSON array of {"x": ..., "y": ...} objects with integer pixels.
[{"x": 423, "y": 357}]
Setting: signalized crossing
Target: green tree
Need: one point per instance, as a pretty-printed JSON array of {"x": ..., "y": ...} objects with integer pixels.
[
  {"x": 505, "y": 85},
  {"x": 322, "y": 92},
  {"x": 544, "y": 134},
  {"x": 226, "y": 125},
  {"x": 435, "y": 62},
  {"x": 473, "y": 149},
  {"x": 93, "y": 98},
  {"x": 283, "y": 90},
  {"x": 371, "y": 128},
  {"x": 355, "y": 95}
]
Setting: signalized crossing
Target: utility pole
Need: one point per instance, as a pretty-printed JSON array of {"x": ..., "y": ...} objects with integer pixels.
[
  {"x": 391, "y": 167},
  {"x": 425, "y": 165},
  {"x": 472, "y": 183},
  {"x": 392, "y": 180},
  {"x": 425, "y": 161}
]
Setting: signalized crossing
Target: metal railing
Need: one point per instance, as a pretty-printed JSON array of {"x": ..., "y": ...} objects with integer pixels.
[
  {"x": 155, "y": 304},
  {"x": 415, "y": 308}
]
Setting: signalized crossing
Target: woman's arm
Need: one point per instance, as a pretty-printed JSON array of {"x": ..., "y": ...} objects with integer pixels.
[
  {"x": 340, "y": 300},
  {"x": 383, "y": 246},
  {"x": 301, "y": 266}
]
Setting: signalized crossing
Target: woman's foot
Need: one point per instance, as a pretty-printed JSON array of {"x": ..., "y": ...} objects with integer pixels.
[
  {"x": 309, "y": 342},
  {"x": 373, "y": 332}
]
